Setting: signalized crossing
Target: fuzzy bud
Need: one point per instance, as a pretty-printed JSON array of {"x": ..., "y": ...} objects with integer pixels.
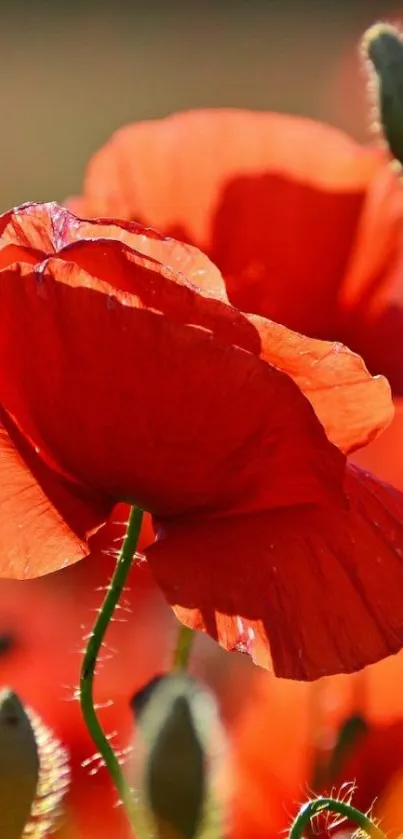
[{"x": 382, "y": 47}]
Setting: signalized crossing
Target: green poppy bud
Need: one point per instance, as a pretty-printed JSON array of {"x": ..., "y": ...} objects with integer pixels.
[
  {"x": 383, "y": 47},
  {"x": 33, "y": 772},
  {"x": 178, "y": 722}
]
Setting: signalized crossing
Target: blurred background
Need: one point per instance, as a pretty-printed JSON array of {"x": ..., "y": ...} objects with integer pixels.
[{"x": 73, "y": 72}]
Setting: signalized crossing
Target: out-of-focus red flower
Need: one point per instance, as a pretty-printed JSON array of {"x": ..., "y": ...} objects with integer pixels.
[
  {"x": 374, "y": 765},
  {"x": 127, "y": 375},
  {"x": 304, "y": 223},
  {"x": 270, "y": 759},
  {"x": 288, "y": 730},
  {"x": 353, "y": 106}
]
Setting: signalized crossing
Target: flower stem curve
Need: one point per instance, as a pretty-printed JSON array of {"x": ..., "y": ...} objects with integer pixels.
[
  {"x": 322, "y": 804},
  {"x": 123, "y": 565}
]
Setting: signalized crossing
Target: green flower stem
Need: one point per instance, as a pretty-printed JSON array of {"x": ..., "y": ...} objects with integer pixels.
[
  {"x": 183, "y": 648},
  {"x": 321, "y": 804},
  {"x": 95, "y": 641}
]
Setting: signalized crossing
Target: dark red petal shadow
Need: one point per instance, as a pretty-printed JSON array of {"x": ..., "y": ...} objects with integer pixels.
[
  {"x": 379, "y": 339},
  {"x": 371, "y": 294},
  {"x": 310, "y": 591}
]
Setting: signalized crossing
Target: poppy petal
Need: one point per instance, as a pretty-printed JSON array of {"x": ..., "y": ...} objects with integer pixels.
[
  {"x": 274, "y": 201},
  {"x": 379, "y": 337},
  {"x": 170, "y": 173},
  {"x": 371, "y": 293},
  {"x": 33, "y": 232},
  {"x": 352, "y": 407},
  {"x": 310, "y": 592},
  {"x": 44, "y": 522},
  {"x": 164, "y": 395},
  {"x": 384, "y": 457}
]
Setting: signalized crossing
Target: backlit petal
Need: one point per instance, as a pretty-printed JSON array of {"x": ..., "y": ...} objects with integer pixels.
[
  {"x": 274, "y": 200},
  {"x": 173, "y": 419},
  {"x": 44, "y": 522},
  {"x": 309, "y": 592}
]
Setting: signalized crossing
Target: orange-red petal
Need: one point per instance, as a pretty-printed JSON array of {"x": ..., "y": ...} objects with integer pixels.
[
  {"x": 172, "y": 173},
  {"x": 32, "y": 232},
  {"x": 137, "y": 404},
  {"x": 384, "y": 457},
  {"x": 310, "y": 591},
  {"x": 45, "y": 520},
  {"x": 371, "y": 294},
  {"x": 303, "y": 222},
  {"x": 352, "y": 407}
]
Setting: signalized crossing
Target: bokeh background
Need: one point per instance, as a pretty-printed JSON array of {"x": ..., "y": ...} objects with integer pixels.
[{"x": 73, "y": 71}]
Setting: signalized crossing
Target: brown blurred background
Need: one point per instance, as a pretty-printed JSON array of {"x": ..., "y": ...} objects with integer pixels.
[{"x": 75, "y": 70}]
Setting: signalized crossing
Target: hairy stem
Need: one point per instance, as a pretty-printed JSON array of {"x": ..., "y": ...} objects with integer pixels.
[
  {"x": 321, "y": 804},
  {"x": 95, "y": 641}
]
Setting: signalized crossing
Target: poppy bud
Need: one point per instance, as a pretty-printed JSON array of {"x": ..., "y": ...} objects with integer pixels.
[
  {"x": 178, "y": 722},
  {"x": 383, "y": 47},
  {"x": 33, "y": 772},
  {"x": 19, "y": 766}
]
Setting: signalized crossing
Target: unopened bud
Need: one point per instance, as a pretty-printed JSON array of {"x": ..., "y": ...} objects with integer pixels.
[
  {"x": 19, "y": 766},
  {"x": 178, "y": 723},
  {"x": 382, "y": 46},
  {"x": 33, "y": 772}
]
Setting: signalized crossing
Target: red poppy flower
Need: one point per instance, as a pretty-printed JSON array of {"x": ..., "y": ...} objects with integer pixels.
[
  {"x": 127, "y": 375},
  {"x": 304, "y": 223}
]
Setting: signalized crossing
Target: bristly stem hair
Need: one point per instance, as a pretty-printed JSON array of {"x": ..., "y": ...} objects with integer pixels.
[
  {"x": 322, "y": 804},
  {"x": 123, "y": 565}
]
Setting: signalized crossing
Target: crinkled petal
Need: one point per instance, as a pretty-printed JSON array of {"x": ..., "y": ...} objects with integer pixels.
[
  {"x": 149, "y": 405},
  {"x": 33, "y": 232},
  {"x": 352, "y": 407},
  {"x": 310, "y": 592}
]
